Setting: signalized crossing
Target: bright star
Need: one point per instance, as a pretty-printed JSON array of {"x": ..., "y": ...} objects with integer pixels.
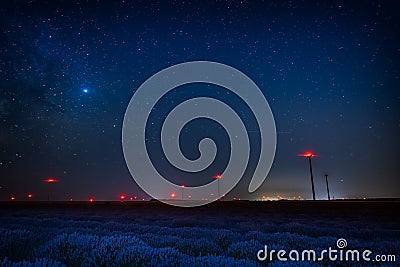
[{"x": 85, "y": 90}]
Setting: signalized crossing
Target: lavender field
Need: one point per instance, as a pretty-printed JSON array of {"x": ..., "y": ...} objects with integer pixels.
[{"x": 220, "y": 234}]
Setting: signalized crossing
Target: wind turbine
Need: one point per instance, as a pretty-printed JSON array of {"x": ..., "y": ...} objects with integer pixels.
[
  {"x": 327, "y": 186},
  {"x": 310, "y": 155},
  {"x": 218, "y": 176},
  {"x": 50, "y": 181}
]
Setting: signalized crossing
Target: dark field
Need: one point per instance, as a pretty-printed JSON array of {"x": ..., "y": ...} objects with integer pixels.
[{"x": 219, "y": 234}]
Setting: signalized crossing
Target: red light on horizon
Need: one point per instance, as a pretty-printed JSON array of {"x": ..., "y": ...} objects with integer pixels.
[
  {"x": 183, "y": 186},
  {"x": 122, "y": 197},
  {"x": 91, "y": 199},
  {"x": 173, "y": 195},
  {"x": 12, "y": 198},
  {"x": 218, "y": 176},
  {"x": 308, "y": 154},
  {"x": 29, "y": 195}
]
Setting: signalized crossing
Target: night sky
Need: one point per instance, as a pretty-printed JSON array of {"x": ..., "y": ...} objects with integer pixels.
[{"x": 330, "y": 71}]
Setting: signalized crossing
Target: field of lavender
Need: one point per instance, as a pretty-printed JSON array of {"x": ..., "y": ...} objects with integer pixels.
[{"x": 220, "y": 234}]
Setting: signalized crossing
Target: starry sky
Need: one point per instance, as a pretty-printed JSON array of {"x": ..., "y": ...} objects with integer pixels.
[{"x": 330, "y": 71}]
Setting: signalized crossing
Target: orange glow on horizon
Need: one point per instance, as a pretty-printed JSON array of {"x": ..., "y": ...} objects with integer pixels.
[
  {"x": 218, "y": 176},
  {"x": 12, "y": 198},
  {"x": 122, "y": 197},
  {"x": 173, "y": 195}
]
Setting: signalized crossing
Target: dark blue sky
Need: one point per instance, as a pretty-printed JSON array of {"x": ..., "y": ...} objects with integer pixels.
[{"x": 330, "y": 71}]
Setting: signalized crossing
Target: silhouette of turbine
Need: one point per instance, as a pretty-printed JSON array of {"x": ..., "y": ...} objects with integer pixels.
[
  {"x": 327, "y": 186},
  {"x": 310, "y": 155}
]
